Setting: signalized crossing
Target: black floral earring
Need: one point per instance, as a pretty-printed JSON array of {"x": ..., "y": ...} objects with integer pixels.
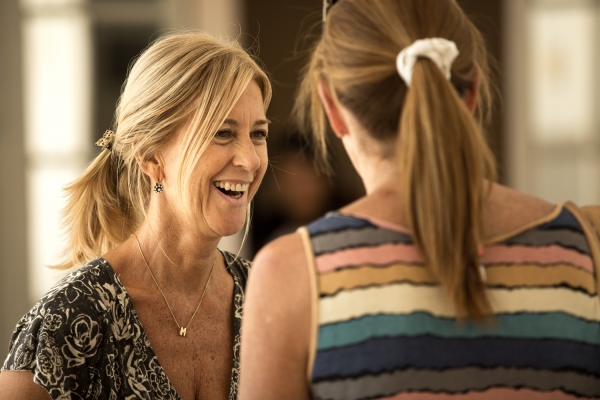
[{"x": 158, "y": 188}]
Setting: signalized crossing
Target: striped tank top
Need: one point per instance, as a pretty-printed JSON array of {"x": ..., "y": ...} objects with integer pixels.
[{"x": 383, "y": 329}]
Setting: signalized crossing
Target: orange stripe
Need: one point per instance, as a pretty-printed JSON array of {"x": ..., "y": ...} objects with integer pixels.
[
  {"x": 536, "y": 275},
  {"x": 519, "y": 254},
  {"x": 497, "y": 275},
  {"x": 350, "y": 278}
]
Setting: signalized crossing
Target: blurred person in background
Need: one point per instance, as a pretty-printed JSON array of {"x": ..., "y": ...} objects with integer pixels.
[
  {"x": 157, "y": 315},
  {"x": 303, "y": 193},
  {"x": 439, "y": 283}
]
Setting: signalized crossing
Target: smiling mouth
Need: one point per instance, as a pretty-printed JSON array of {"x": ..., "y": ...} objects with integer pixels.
[{"x": 232, "y": 190}]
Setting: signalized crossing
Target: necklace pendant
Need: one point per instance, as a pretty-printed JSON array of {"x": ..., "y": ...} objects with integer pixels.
[{"x": 182, "y": 331}]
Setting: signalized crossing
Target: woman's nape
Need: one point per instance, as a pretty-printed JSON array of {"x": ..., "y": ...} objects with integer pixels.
[{"x": 375, "y": 161}]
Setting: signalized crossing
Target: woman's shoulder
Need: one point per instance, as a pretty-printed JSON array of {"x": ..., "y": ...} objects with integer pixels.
[
  {"x": 77, "y": 305},
  {"x": 84, "y": 339},
  {"x": 284, "y": 253},
  {"x": 89, "y": 283}
]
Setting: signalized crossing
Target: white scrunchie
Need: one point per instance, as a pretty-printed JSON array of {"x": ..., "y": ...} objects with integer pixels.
[{"x": 441, "y": 51}]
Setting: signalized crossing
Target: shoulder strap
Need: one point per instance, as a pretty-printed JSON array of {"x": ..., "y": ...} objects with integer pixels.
[
  {"x": 589, "y": 219},
  {"x": 314, "y": 295},
  {"x": 593, "y": 214}
]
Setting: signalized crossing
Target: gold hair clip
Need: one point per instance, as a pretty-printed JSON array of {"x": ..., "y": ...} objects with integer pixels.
[{"x": 106, "y": 141}]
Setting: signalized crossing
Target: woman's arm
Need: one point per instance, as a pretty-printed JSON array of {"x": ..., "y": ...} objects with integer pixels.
[
  {"x": 276, "y": 324},
  {"x": 17, "y": 385}
]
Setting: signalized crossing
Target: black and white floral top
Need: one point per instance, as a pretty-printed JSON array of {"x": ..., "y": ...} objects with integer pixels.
[{"x": 83, "y": 339}]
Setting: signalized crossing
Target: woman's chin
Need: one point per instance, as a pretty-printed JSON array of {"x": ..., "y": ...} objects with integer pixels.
[{"x": 230, "y": 228}]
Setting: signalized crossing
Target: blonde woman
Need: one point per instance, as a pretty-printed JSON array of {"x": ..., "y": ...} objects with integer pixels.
[
  {"x": 157, "y": 315},
  {"x": 438, "y": 284}
]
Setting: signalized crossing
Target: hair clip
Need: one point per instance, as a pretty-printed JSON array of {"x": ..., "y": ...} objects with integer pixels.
[{"x": 106, "y": 141}]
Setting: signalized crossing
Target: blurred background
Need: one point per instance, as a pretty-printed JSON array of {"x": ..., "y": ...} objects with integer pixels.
[{"x": 62, "y": 64}]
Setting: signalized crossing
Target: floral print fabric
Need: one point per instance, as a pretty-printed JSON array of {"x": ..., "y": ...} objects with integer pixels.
[{"x": 83, "y": 339}]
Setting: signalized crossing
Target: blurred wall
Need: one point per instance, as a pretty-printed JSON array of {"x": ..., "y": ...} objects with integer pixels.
[
  {"x": 552, "y": 98},
  {"x": 13, "y": 251}
]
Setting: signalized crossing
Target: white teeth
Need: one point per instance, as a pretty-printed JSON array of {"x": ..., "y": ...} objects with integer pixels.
[{"x": 232, "y": 186}]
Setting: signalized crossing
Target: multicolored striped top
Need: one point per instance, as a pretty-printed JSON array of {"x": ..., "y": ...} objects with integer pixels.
[{"x": 383, "y": 329}]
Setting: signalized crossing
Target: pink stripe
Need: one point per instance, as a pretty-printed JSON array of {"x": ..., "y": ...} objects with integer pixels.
[
  {"x": 386, "y": 254},
  {"x": 491, "y": 394},
  {"x": 408, "y": 253},
  {"x": 502, "y": 254}
]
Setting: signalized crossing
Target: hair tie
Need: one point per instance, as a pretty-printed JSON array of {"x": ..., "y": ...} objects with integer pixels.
[
  {"x": 106, "y": 141},
  {"x": 441, "y": 51}
]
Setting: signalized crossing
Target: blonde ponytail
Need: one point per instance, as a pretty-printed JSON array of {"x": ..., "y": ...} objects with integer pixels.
[
  {"x": 98, "y": 217},
  {"x": 446, "y": 164}
]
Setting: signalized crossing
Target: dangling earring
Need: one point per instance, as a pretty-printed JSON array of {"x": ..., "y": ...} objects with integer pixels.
[{"x": 158, "y": 188}]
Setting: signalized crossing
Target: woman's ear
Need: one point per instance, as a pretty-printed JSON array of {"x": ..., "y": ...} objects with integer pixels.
[
  {"x": 332, "y": 109},
  {"x": 472, "y": 95},
  {"x": 151, "y": 166}
]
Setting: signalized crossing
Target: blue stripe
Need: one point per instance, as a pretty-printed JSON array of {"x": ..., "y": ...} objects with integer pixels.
[
  {"x": 388, "y": 354},
  {"x": 556, "y": 325},
  {"x": 564, "y": 220},
  {"x": 336, "y": 222},
  {"x": 546, "y": 237}
]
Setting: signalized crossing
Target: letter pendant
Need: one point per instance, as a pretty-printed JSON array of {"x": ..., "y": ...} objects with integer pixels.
[{"x": 182, "y": 331}]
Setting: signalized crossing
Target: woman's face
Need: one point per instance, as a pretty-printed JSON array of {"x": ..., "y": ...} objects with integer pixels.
[{"x": 229, "y": 172}]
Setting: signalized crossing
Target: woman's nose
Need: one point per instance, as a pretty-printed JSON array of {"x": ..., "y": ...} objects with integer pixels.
[{"x": 246, "y": 155}]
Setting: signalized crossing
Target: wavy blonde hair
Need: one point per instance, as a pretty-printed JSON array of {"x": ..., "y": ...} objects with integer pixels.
[
  {"x": 443, "y": 155},
  {"x": 183, "y": 79}
]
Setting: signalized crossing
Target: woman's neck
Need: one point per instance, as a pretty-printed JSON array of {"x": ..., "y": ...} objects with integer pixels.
[
  {"x": 176, "y": 254},
  {"x": 179, "y": 258},
  {"x": 381, "y": 178},
  {"x": 378, "y": 173}
]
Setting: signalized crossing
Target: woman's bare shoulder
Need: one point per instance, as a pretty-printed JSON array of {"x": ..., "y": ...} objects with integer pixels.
[
  {"x": 15, "y": 385},
  {"x": 281, "y": 266},
  {"x": 276, "y": 324},
  {"x": 288, "y": 247}
]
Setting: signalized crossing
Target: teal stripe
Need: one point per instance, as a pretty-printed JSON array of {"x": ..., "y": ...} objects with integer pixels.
[{"x": 556, "y": 325}]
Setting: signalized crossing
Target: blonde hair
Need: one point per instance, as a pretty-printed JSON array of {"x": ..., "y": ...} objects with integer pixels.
[
  {"x": 188, "y": 79},
  {"x": 443, "y": 155}
]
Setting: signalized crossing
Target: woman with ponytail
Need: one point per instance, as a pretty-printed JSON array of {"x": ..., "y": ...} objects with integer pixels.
[
  {"x": 439, "y": 283},
  {"x": 155, "y": 310}
]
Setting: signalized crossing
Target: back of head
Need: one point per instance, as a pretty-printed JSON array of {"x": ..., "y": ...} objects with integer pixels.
[
  {"x": 188, "y": 79},
  {"x": 439, "y": 144}
]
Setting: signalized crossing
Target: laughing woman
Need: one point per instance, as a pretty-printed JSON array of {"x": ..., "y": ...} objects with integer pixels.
[{"x": 157, "y": 315}]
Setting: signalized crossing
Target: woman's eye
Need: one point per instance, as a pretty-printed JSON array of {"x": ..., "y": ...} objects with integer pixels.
[
  {"x": 260, "y": 135},
  {"x": 223, "y": 134}
]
